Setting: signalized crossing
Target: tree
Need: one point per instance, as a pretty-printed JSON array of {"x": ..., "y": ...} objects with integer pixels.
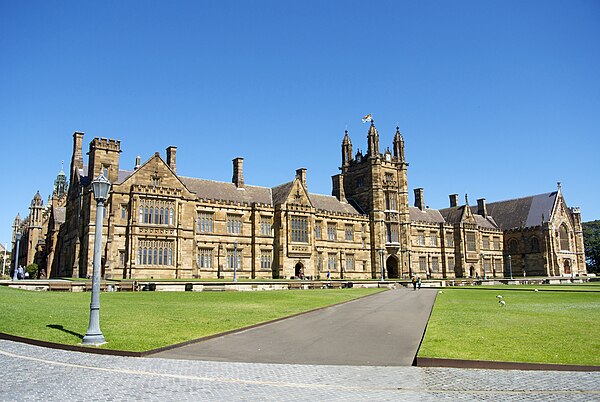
[{"x": 591, "y": 240}]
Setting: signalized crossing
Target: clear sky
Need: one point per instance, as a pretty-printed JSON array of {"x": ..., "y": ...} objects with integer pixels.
[{"x": 497, "y": 99}]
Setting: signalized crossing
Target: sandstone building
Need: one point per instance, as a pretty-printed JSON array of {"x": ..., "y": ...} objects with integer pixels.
[{"x": 160, "y": 224}]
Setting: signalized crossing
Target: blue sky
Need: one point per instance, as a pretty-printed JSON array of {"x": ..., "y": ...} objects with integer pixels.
[{"x": 497, "y": 99}]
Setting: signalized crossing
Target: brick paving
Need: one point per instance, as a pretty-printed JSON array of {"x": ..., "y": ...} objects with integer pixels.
[{"x": 36, "y": 373}]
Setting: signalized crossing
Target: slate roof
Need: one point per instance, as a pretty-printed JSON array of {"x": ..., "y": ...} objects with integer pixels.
[
  {"x": 331, "y": 203},
  {"x": 217, "y": 190},
  {"x": 453, "y": 215},
  {"x": 522, "y": 212},
  {"x": 281, "y": 192},
  {"x": 427, "y": 215}
]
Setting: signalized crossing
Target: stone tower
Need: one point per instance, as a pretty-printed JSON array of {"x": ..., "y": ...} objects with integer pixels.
[
  {"x": 35, "y": 228},
  {"x": 377, "y": 184}
]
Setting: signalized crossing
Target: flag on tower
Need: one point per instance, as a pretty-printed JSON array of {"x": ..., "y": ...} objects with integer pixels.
[{"x": 367, "y": 118}]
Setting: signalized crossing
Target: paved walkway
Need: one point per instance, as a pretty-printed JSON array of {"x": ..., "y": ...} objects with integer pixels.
[
  {"x": 36, "y": 373},
  {"x": 380, "y": 330}
]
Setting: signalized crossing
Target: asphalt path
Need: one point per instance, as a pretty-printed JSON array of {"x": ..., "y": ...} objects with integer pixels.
[{"x": 383, "y": 329}]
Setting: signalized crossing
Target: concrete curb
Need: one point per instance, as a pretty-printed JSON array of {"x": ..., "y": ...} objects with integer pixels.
[{"x": 496, "y": 365}]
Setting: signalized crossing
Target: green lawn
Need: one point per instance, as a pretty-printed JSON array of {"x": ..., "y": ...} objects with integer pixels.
[
  {"x": 544, "y": 326},
  {"x": 146, "y": 320}
]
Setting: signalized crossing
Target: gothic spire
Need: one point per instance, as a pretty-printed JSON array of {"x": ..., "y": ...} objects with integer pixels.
[
  {"x": 346, "y": 149},
  {"x": 398, "y": 145},
  {"x": 373, "y": 141}
]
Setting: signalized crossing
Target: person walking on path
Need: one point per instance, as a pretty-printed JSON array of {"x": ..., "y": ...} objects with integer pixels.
[
  {"x": 419, "y": 282},
  {"x": 414, "y": 282}
]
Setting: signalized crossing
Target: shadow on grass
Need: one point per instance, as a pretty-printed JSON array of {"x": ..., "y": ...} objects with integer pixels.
[{"x": 68, "y": 331}]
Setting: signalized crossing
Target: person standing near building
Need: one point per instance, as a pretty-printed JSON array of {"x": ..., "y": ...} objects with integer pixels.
[{"x": 414, "y": 282}]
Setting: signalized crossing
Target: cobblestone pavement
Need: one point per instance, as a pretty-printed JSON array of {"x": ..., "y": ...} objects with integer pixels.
[{"x": 36, "y": 373}]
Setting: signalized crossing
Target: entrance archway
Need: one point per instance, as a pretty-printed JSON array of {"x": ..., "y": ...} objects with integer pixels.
[
  {"x": 299, "y": 271},
  {"x": 567, "y": 267},
  {"x": 472, "y": 272},
  {"x": 392, "y": 267}
]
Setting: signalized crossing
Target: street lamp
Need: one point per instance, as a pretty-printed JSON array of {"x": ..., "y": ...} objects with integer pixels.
[
  {"x": 510, "y": 265},
  {"x": 235, "y": 261},
  {"x": 381, "y": 254},
  {"x": 16, "y": 257},
  {"x": 483, "y": 265},
  {"x": 4, "y": 260},
  {"x": 93, "y": 336}
]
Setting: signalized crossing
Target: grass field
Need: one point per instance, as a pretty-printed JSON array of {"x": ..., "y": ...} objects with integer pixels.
[
  {"x": 146, "y": 320},
  {"x": 559, "y": 326}
]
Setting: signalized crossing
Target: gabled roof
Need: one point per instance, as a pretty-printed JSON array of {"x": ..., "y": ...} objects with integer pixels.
[
  {"x": 281, "y": 192},
  {"x": 426, "y": 215},
  {"x": 331, "y": 203},
  {"x": 453, "y": 215},
  {"x": 217, "y": 190},
  {"x": 522, "y": 212}
]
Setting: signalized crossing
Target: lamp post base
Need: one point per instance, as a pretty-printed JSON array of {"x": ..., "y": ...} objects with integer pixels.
[{"x": 93, "y": 340}]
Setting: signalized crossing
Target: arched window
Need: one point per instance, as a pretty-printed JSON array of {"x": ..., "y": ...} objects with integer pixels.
[
  {"x": 513, "y": 246},
  {"x": 166, "y": 217},
  {"x": 145, "y": 259},
  {"x": 563, "y": 234},
  {"x": 170, "y": 217},
  {"x": 146, "y": 215},
  {"x": 170, "y": 256},
  {"x": 160, "y": 256},
  {"x": 140, "y": 255},
  {"x": 156, "y": 211},
  {"x": 141, "y": 218},
  {"x": 155, "y": 262},
  {"x": 535, "y": 245}
]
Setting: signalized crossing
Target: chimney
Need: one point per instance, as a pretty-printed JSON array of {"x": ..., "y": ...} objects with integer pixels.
[
  {"x": 301, "y": 175},
  {"x": 238, "y": 172},
  {"x": 138, "y": 160},
  {"x": 172, "y": 158},
  {"x": 338, "y": 187},
  {"x": 419, "y": 199},
  {"x": 453, "y": 200},
  {"x": 481, "y": 207},
  {"x": 77, "y": 158}
]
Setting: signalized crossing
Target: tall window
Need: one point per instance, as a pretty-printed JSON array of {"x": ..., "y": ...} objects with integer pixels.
[
  {"x": 265, "y": 226},
  {"x": 318, "y": 234},
  {"x": 433, "y": 239},
  {"x": 349, "y": 232},
  {"x": 234, "y": 224},
  {"x": 331, "y": 231},
  {"x": 423, "y": 264},
  {"x": 332, "y": 261},
  {"x": 471, "y": 246},
  {"x": 564, "y": 237},
  {"x": 535, "y": 245},
  {"x": 392, "y": 232},
  {"x": 349, "y": 262},
  {"x": 300, "y": 229},
  {"x": 486, "y": 242},
  {"x": 421, "y": 238},
  {"x": 449, "y": 240},
  {"x": 320, "y": 262},
  {"x": 487, "y": 265},
  {"x": 391, "y": 201},
  {"x": 155, "y": 252},
  {"x": 497, "y": 267},
  {"x": 205, "y": 222},
  {"x": 124, "y": 211},
  {"x": 156, "y": 212},
  {"x": 205, "y": 258},
  {"x": 265, "y": 259},
  {"x": 513, "y": 245},
  {"x": 496, "y": 243},
  {"x": 435, "y": 264},
  {"x": 451, "y": 264},
  {"x": 231, "y": 259}
]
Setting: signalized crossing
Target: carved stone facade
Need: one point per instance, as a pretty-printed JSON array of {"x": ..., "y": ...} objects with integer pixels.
[{"x": 160, "y": 224}]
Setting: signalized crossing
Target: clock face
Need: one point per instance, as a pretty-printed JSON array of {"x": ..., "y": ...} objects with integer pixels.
[{"x": 388, "y": 157}]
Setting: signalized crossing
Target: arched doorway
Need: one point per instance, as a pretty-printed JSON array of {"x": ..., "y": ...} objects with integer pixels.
[
  {"x": 392, "y": 267},
  {"x": 299, "y": 271},
  {"x": 567, "y": 267},
  {"x": 472, "y": 272}
]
